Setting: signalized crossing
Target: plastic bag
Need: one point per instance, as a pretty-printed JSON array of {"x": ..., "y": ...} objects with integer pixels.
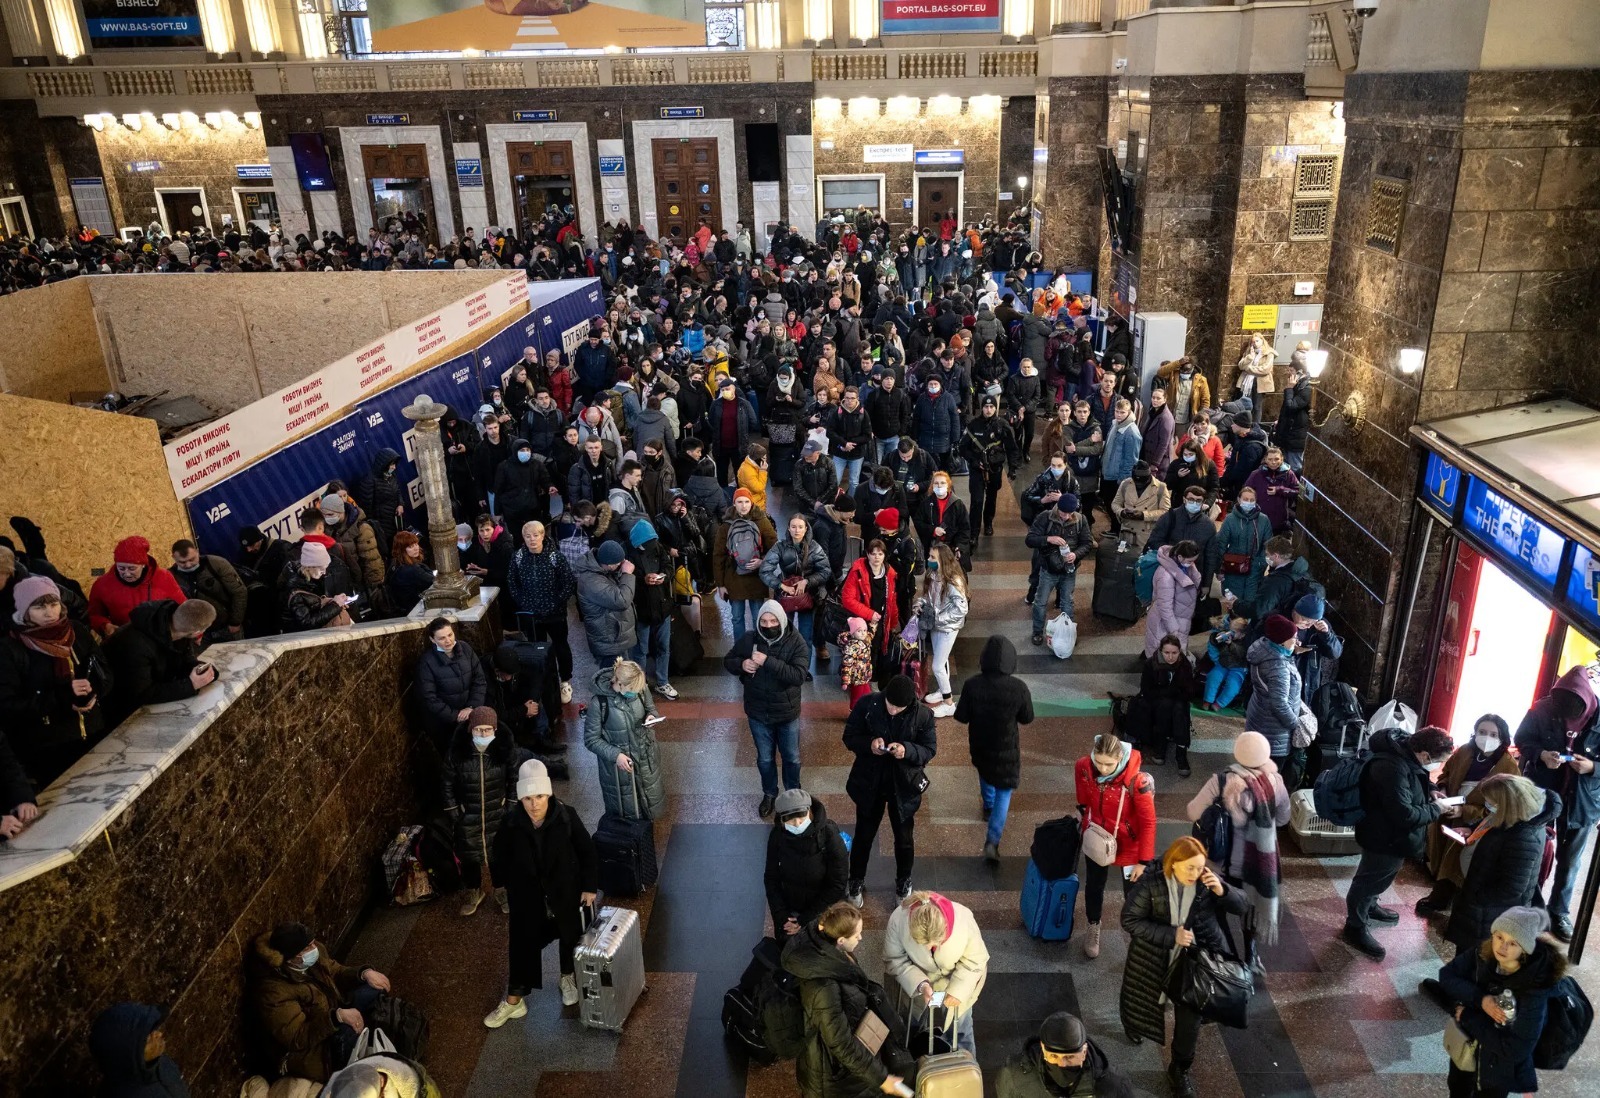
[
  {"x": 1394, "y": 714},
  {"x": 1062, "y": 632},
  {"x": 372, "y": 1041}
]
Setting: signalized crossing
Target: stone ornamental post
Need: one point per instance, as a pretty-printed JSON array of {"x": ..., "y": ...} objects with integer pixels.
[{"x": 452, "y": 589}]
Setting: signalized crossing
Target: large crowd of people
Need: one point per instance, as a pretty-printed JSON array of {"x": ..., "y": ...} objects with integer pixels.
[{"x": 783, "y": 435}]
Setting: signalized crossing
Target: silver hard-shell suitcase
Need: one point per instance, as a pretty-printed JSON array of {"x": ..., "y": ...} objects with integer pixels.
[{"x": 610, "y": 963}]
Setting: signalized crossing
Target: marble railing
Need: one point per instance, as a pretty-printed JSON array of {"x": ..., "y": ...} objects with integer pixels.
[{"x": 78, "y": 808}]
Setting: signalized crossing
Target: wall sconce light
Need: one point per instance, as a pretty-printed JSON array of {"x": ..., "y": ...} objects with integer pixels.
[
  {"x": 1316, "y": 362},
  {"x": 1411, "y": 359},
  {"x": 985, "y": 104},
  {"x": 1352, "y": 413},
  {"x": 133, "y": 121},
  {"x": 214, "y": 119},
  {"x": 944, "y": 105},
  {"x": 252, "y": 119},
  {"x": 904, "y": 107},
  {"x": 1022, "y": 182},
  {"x": 96, "y": 121},
  {"x": 863, "y": 106},
  {"x": 829, "y": 107},
  {"x": 172, "y": 121},
  {"x": 188, "y": 118},
  {"x": 229, "y": 118}
]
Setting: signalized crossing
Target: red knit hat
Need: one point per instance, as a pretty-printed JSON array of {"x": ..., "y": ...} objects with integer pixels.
[
  {"x": 132, "y": 550},
  {"x": 1279, "y": 629},
  {"x": 888, "y": 519}
]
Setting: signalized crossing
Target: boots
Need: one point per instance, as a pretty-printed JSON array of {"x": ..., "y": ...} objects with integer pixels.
[
  {"x": 1091, "y": 944},
  {"x": 1438, "y": 901},
  {"x": 1182, "y": 1085},
  {"x": 1183, "y": 762}
]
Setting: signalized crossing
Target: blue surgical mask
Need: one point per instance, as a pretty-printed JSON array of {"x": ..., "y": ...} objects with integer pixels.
[
  {"x": 524, "y": 456},
  {"x": 310, "y": 959},
  {"x": 441, "y": 651},
  {"x": 482, "y": 742},
  {"x": 797, "y": 827},
  {"x": 629, "y": 693},
  {"x": 463, "y": 545},
  {"x": 1189, "y": 457},
  {"x": 1193, "y": 506},
  {"x": 933, "y": 565},
  {"x": 1247, "y": 505}
]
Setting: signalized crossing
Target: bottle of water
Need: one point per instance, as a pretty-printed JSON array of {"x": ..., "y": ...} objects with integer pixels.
[{"x": 1508, "y": 1003}]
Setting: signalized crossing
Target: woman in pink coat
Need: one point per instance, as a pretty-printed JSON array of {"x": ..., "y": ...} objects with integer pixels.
[{"x": 1176, "y": 590}]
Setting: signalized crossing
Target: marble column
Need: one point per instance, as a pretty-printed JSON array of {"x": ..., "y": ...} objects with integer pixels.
[{"x": 452, "y": 589}]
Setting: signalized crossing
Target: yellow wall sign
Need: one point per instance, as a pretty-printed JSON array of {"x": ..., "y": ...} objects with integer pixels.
[{"x": 1260, "y": 317}]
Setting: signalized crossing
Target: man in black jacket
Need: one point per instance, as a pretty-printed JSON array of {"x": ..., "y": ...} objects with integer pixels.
[
  {"x": 1249, "y": 449},
  {"x": 1061, "y": 1062},
  {"x": 1059, "y": 538},
  {"x": 156, "y": 658},
  {"x": 1294, "y": 414},
  {"x": 889, "y": 409},
  {"x": 522, "y": 487},
  {"x": 912, "y": 468},
  {"x": 893, "y": 738},
  {"x": 815, "y": 482},
  {"x": 772, "y": 662},
  {"x": 1398, "y": 805},
  {"x": 849, "y": 438},
  {"x": 993, "y": 704},
  {"x": 990, "y": 448},
  {"x": 807, "y": 863}
]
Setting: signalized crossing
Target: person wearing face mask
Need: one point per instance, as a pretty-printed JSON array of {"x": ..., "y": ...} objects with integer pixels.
[
  {"x": 1192, "y": 469},
  {"x": 1140, "y": 500},
  {"x": 522, "y": 486},
  {"x": 307, "y": 1008},
  {"x": 1397, "y": 805},
  {"x": 1188, "y": 522},
  {"x": 615, "y": 729},
  {"x": 1188, "y": 390},
  {"x": 781, "y": 412},
  {"x": 309, "y": 601},
  {"x": 1294, "y": 414},
  {"x": 203, "y": 576},
  {"x": 379, "y": 493},
  {"x": 477, "y": 778},
  {"x": 450, "y": 680},
  {"x": 1061, "y": 1062},
  {"x": 807, "y": 863},
  {"x": 772, "y": 662},
  {"x": 1277, "y": 488},
  {"x": 942, "y": 519},
  {"x": 936, "y": 422},
  {"x": 881, "y": 492},
  {"x": 835, "y": 995},
  {"x": 1121, "y": 467},
  {"x": 942, "y": 611},
  {"x": 990, "y": 448},
  {"x": 1059, "y": 537},
  {"x": 135, "y": 578}
]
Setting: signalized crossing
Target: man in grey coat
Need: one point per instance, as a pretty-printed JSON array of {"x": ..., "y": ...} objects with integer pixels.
[{"x": 606, "y": 588}]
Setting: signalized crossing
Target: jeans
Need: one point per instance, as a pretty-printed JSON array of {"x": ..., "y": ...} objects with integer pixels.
[
  {"x": 1375, "y": 874},
  {"x": 363, "y": 999},
  {"x": 1570, "y": 844},
  {"x": 852, "y": 466},
  {"x": 1094, "y": 887},
  {"x": 1063, "y": 584},
  {"x": 998, "y": 802},
  {"x": 737, "y": 609},
  {"x": 782, "y": 738},
  {"x": 1223, "y": 684},
  {"x": 653, "y": 645},
  {"x": 1294, "y": 459},
  {"x": 869, "y": 817},
  {"x": 941, "y": 643},
  {"x": 803, "y": 621},
  {"x": 887, "y": 446},
  {"x": 964, "y": 1038}
]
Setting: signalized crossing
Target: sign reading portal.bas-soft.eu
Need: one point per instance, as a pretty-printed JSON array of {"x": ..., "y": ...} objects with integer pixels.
[
  {"x": 142, "y": 24},
  {"x": 940, "y": 16}
]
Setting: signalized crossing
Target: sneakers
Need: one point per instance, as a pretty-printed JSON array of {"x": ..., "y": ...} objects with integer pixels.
[
  {"x": 948, "y": 709},
  {"x": 934, "y": 698},
  {"x": 504, "y": 1012},
  {"x": 503, "y": 900},
  {"x": 569, "y": 991},
  {"x": 470, "y": 901},
  {"x": 1380, "y": 914},
  {"x": 902, "y": 889},
  {"x": 566, "y": 692},
  {"x": 852, "y": 895},
  {"x": 1361, "y": 938},
  {"x": 766, "y": 805},
  {"x": 1038, "y": 640},
  {"x": 991, "y": 853},
  {"x": 667, "y": 690},
  {"x": 1091, "y": 944},
  {"x": 1183, "y": 762}
]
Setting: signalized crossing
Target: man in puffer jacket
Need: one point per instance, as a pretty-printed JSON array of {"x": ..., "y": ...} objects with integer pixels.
[
  {"x": 1274, "y": 709},
  {"x": 807, "y": 863},
  {"x": 135, "y": 578},
  {"x": 772, "y": 662},
  {"x": 606, "y": 589},
  {"x": 478, "y": 781},
  {"x": 346, "y": 523}
]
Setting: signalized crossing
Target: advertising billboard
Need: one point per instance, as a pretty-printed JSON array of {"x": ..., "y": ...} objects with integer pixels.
[
  {"x": 940, "y": 16},
  {"x": 142, "y": 24},
  {"x": 502, "y": 25}
]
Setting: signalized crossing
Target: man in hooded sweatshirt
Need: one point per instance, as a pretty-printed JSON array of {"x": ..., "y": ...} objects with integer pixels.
[
  {"x": 1559, "y": 743},
  {"x": 131, "y": 1052},
  {"x": 993, "y": 703},
  {"x": 772, "y": 662},
  {"x": 135, "y": 578}
]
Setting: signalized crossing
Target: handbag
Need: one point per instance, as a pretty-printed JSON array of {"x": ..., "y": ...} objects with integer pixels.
[
  {"x": 1100, "y": 845},
  {"x": 794, "y": 604},
  {"x": 1213, "y": 985},
  {"x": 1236, "y": 564},
  {"x": 872, "y": 1032},
  {"x": 1462, "y": 1050}
]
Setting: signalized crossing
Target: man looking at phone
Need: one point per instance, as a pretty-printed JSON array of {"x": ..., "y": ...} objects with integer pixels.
[
  {"x": 1558, "y": 742},
  {"x": 156, "y": 657}
]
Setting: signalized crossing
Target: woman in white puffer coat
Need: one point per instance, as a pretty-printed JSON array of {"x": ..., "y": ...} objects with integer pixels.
[{"x": 932, "y": 944}]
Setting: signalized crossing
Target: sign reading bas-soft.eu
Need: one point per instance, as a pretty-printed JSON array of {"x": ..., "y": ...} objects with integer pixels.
[{"x": 142, "y": 24}]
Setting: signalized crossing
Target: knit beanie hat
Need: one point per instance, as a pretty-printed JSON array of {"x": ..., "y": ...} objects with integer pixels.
[
  {"x": 1252, "y": 749},
  {"x": 463, "y": 532},
  {"x": 313, "y": 555},
  {"x": 290, "y": 939},
  {"x": 609, "y": 553},
  {"x": 332, "y": 507},
  {"x": 1523, "y": 925},
  {"x": 900, "y": 692},
  {"x": 194, "y": 616},
  {"x": 483, "y": 715},
  {"x": 533, "y": 780},
  {"x": 642, "y": 533},
  {"x": 29, "y": 591},
  {"x": 888, "y": 519},
  {"x": 743, "y": 493},
  {"x": 1310, "y": 606},
  {"x": 1279, "y": 629},
  {"x": 132, "y": 550},
  {"x": 1067, "y": 504}
]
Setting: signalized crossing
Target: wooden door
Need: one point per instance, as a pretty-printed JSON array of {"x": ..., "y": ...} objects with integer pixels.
[
  {"x": 180, "y": 206},
  {"x": 540, "y": 159},
  {"x": 936, "y": 194},
  {"x": 688, "y": 186},
  {"x": 395, "y": 161}
]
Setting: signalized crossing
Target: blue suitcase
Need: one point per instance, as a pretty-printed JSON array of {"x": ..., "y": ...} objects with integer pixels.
[{"x": 1048, "y": 906}]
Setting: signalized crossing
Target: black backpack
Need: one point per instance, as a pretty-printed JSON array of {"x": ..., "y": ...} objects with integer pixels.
[
  {"x": 1214, "y": 828},
  {"x": 1340, "y": 726},
  {"x": 1055, "y": 847},
  {"x": 1566, "y": 1023}
]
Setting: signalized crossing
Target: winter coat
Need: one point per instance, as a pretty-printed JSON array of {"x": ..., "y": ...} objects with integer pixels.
[
  {"x": 586, "y": 481},
  {"x": 1248, "y": 451},
  {"x": 614, "y": 725},
  {"x": 814, "y": 483},
  {"x": 379, "y": 494},
  {"x": 949, "y": 513},
  {"x": 294, "y": 1011},
  {"x": 1199, "y": 388},
  {"x": 1505, "y": 1053},
  {"x": 304, "y": 607},
  {"x": 1294, "y": 416},
  {"x": 856, "y": 595},
  {"x": 73, "y": 601},
  {"x": 789, "y": 559},
  {"x": 753, "y": 479},
  {"x": 542, "y": 584},
  {"x": 1503, "y": 872},
  {"x": 1240, "y": 802},
  {"x": 147, "y": 665},
  {"x": 522, "y": 488},
  {"x": 1277, "y": 589},
  {"x": 653, "y": 425},
  {"x": 1260, "y": 365},
  {"x": 849, "y": 427},
  {"x": 746, "y": 423},
  {"x": 936, "y": 422},
  {"x": 1542, "y": 729},
  {"x": 545, "y": 872},
  {"x": 1122, "y": 445},
  {"x": 1275, "y": 494},
  {"x": 360, "y": 541},
  {"x": 1156, "y": 444},
  {"x": 1035, "y": 334},
  {"x": 1051, "y": 523},
  {"x": 1151, "y": 503},
  {"x": 605, "y": 604},
  {"x": 1176, "y": 590},
  {"x": 747, "y": 586},
  {"x": 477, "y": 788},
  {"x": 992, "y": 704},
  {"x": 1444, "y": 855},
  {"x": 1274, "y": 708},
  {"x": 447, "y": 684},
  {"x": 1028, "y": 1076},
  {"x": 890, "y": 412},
  {"x": 958, "y": 966},
  {"x": 111, "y": 601},
  {"x": 1132, "y": 794},
  {"x": 1396, "y": 798},
  {"x": 1033, "y": 500},
  {"x": 805, "y": 873},
  {"x": 1240, "y": 533},
  {"x": 1088, "y": 444},
  {"x": 218, "y": 583},
  {"x": 1147, "y": 917},
  {"x": 945, "y": 611},
  {"x": 835, "y": 994},
  {"x": 1183, "y": 475},
  {"x": 772, "y": 692},
  {"x": 117, "y": 1041},
  {"x": 902, "y": 781},
  {"x": 40, "y": 723},
  {"x": 1179, "y": 525}
]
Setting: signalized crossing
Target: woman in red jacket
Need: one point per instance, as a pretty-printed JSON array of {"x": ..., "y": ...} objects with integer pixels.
[
  {"x": 1114, "y": 793},
  {"x": 135, "y": 578},
  {"x": 869, "y": 594}
]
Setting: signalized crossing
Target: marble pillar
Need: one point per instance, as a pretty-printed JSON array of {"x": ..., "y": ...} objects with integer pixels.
[{"x": 452, "y": 588}]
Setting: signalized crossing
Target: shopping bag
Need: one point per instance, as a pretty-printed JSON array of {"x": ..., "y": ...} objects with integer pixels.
[{"x": 1062, "y": 632}]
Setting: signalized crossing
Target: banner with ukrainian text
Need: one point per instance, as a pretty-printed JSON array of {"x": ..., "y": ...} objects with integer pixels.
[
  {"x": 940, "y": 16},
  {"x": 401, "y": 26}
]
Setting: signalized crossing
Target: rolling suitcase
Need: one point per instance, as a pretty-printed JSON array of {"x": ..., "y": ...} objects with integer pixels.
[
  {"x": 1048, "y": 905},
  {"x": 948, "y": 1074},
  {"x": 610, "y": 963},
  {"x": 1116, "y": 565},
  {"x": 627, "y": 852}
]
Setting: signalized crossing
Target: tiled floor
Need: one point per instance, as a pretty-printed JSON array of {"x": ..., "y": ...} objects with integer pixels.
[{"x": 1326, "y": 1022}]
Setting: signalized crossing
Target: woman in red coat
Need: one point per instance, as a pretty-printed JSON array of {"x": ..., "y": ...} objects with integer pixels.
[
  {"x": 869, "y": 594},
  {"x": 1114, "y": 793},
  {"x": 135, "y": 578}
]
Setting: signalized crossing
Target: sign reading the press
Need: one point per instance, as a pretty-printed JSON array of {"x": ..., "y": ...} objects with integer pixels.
[
  {"x": 940, "y": 16},
  {"x": 142, "y": 24},
  {"x": 1522, "y": 541}
]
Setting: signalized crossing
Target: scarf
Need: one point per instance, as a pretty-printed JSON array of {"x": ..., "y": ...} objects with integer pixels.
[
  {"x": 1259, "y": 870},
  {"x": 54, "y": 641},
  {"x": 1122, "y": 764},
  {"x": 1180, "y": 899}
]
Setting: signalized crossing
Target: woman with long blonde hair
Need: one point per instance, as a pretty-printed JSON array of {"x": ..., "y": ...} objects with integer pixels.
[{"x": 941, "y": 612}]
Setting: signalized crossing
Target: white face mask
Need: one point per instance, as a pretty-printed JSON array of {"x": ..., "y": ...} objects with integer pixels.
[
  {"x": 940, "y": 490},
  {"x": 797, "y": 827},
  {"x": 1486, "y": 744},
  {"x": 1435, "y": 765}
]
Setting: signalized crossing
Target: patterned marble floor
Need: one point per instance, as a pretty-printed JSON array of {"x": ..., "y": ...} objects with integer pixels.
[{"x": 1327, "y": 1022}]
